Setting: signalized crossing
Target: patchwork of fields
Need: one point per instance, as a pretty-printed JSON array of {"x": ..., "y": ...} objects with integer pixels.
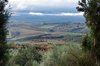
[{"x": 46, "y": 33}]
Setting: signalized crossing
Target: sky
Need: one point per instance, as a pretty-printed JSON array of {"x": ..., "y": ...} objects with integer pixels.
[
  {"x": 31, "y": 4},
  {"x": 39, "y": 7},
  {"x": 55, "y": 9}
]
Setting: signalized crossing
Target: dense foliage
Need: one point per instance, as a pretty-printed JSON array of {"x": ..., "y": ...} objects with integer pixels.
[
  {"x": 91, "y": 9},
  {"x": 4, "y": 15},
  {"x": 24, "y": 57}
]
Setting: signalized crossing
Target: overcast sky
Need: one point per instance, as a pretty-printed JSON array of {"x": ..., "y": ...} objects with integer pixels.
[
  {"x": 23, "y": 9},
  {"x": 31, "y": 4},
  {"x": 38, "y": 7}
]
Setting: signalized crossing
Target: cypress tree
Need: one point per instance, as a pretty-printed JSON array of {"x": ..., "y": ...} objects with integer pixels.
[
  {"x": 91, "y": 9},
  {"x": 4, "y": 15}
]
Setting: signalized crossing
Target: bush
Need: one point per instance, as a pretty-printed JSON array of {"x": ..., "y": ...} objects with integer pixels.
[
  {"x": 65, "y": 55},
  {"x": 87, "y": 43},
  {"x": 25, "y": 57},
  {"x": 86, "y": 59},
  {"x": 68, "y": 55}
]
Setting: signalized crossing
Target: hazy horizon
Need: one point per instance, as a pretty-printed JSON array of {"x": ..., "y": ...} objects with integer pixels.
[{"x": 45, "y": 11}]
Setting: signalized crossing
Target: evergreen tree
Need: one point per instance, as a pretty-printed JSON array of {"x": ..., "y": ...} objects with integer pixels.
[
  {"x": 4, "y": 15},
  {"x": 91, "y": 9}
]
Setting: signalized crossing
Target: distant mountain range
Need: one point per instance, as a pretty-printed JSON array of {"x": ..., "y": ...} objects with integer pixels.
[
  {"x": 47, "y": 19},
  {"x": 24, "y": 16}
]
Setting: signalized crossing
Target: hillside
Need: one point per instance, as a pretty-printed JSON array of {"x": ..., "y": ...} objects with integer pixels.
[{"x": 47, "y": 32}]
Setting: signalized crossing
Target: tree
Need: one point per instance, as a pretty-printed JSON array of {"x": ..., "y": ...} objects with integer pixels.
[
  {"x": 26, "y": 56},
  {"x": 91, "y": 9},
  {"x": 4, "y": 15}
]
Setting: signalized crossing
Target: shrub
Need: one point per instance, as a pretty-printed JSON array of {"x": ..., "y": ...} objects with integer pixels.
[
  {"x": 66, "y": 55},
  {"x": 25, "y": 57}
]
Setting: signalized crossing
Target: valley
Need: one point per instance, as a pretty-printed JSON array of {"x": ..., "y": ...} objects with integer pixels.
[{"x": 46, "y": 33}]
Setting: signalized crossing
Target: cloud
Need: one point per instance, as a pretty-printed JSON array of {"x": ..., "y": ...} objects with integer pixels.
[
  {"x": 31, "y": 4},
  {"x": 58, "y": 14},
  {"x": 37, "y": 14}
]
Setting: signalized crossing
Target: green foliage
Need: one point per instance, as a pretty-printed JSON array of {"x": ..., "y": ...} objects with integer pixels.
[
  {"x": 87, "y": 43},
  {"x": 91, "y": 9},
  {"x": 64, "y": 55},
  {"x": 35, "y": 63},
  {"x": 25, "y": 57},
  {"x": 85, "y": 59},
  {"x": 4, "y": 16},
  {"x": 68, "y": 55}
]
